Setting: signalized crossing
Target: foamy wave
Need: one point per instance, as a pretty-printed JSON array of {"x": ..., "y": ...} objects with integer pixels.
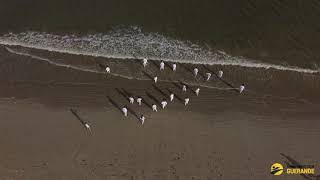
[{"x": 132, "y": 43}]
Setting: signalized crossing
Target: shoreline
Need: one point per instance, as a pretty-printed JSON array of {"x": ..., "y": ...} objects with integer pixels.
[
  {"x": 244, "y": 62},
  {"x": 264, "y": 83}
]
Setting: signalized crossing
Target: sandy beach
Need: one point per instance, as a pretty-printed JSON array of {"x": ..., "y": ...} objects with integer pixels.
[
  {"x": 61, "y": 113},
  {"x": 219, "y": 135}
]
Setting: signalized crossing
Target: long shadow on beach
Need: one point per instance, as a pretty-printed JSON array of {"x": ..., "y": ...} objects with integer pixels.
[
  {"x": 155, "y": 64},
  {"x": 233, "y": 88},
  {"x": 188, "y": 87},
  {"x": 291, "y": 161},
  {"x": 153, "y": 98},
  {"x": 177, "y": 85},
  {"x": 119, "y": 108},
  {"x": 128, "y": 94},
  {"x": 124, "y": 95},
  {"x": 114, "y": 104},
  {"x": 102, "y": 67},
  {"x": 133, "y": 112},
  {"x": 137, "y": 60},
  {"x": 75, "y": 113},
  {"x": 147, "y": 75},
  {"x": 188, "y": 69},
  {"x": 167, "y": 64},
  {"x": 185, "y": 67},
  {"x": 202, "y": 74},
  {"x": 146, "y": 103},
  {"x": 296, "y": 164},
  {"x": 176, "y": 96},
  {"x": 166, "y": 96}
]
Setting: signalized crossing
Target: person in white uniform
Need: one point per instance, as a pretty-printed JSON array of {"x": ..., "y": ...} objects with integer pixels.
[
  {"x": 197, "y": 91},
  {"x": 145, "y": 62},
  {"x": 142, "y": 118},
  {"x": 208, "y": 76},
  {"x": 164, "y": 104},
  {"x": 184, "y": 88},
  {"x": 241, "y": 88},
  {"x": 125, "y": 111},
  {"x": 154, "y": 108},
  {"x": 161, "y": 66},
  {"x": 195, "y": 71},
  {"x": 155, "y": 79},
  {"x": 108, "y": 69},
  {"x": 131, "y": 100},
  {"x": 139, "y": 101},
  {"x": 186, "y": 101},
  {"x": 171, "y": 97},
  {"x": 174, "y": 67},
  {"x": 87, "y": 126},
  {"x": 220, "y": 74}
]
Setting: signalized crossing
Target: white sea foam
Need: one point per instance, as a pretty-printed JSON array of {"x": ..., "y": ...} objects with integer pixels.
[{"x": 132, "y": 43}]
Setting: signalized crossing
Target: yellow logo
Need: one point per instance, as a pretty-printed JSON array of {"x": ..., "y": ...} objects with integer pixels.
[{"x": 276, "y": 169}]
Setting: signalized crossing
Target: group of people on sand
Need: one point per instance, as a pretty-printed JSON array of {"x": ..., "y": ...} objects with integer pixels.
[
  {"x": 195, "y": 73},
  {"x": 139, "y": 100},
  {"x": 164, "y": 102}
]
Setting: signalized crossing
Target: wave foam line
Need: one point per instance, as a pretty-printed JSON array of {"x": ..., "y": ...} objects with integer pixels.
[
  {"x": 240, "y": 64},
  {"x": 133, "y": 44}
]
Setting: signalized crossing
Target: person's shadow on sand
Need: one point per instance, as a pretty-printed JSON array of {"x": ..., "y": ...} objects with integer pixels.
[
  {"x": 144, "y": 101},
  {"x": 295, "y": 163},
  {"x": 147, "y": 75},
  {"x": 114, "y": 104},
  {"x": 175, "y": 95},
  {"x": 75, "y": 113},
  {"x": 119, "y": 108},
  {"x": 124, "y": 95},
  {"x": 233, "y": 88},
  {"x": 153, "y": 98},
  {"x": 166, "y": 96}
]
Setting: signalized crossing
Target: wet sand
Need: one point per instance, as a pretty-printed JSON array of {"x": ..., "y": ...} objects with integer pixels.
[{"x": 220, "y": 135}]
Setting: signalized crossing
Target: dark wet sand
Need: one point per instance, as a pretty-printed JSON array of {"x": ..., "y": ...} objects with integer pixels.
[{"x": 221, "y": 135}]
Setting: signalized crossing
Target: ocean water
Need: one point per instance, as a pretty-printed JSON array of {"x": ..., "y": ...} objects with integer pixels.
[{"x": 279, "y": 34}]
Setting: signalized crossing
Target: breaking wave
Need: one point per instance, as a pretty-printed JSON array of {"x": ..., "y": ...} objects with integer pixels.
[{"x": 132, "y": 43}]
